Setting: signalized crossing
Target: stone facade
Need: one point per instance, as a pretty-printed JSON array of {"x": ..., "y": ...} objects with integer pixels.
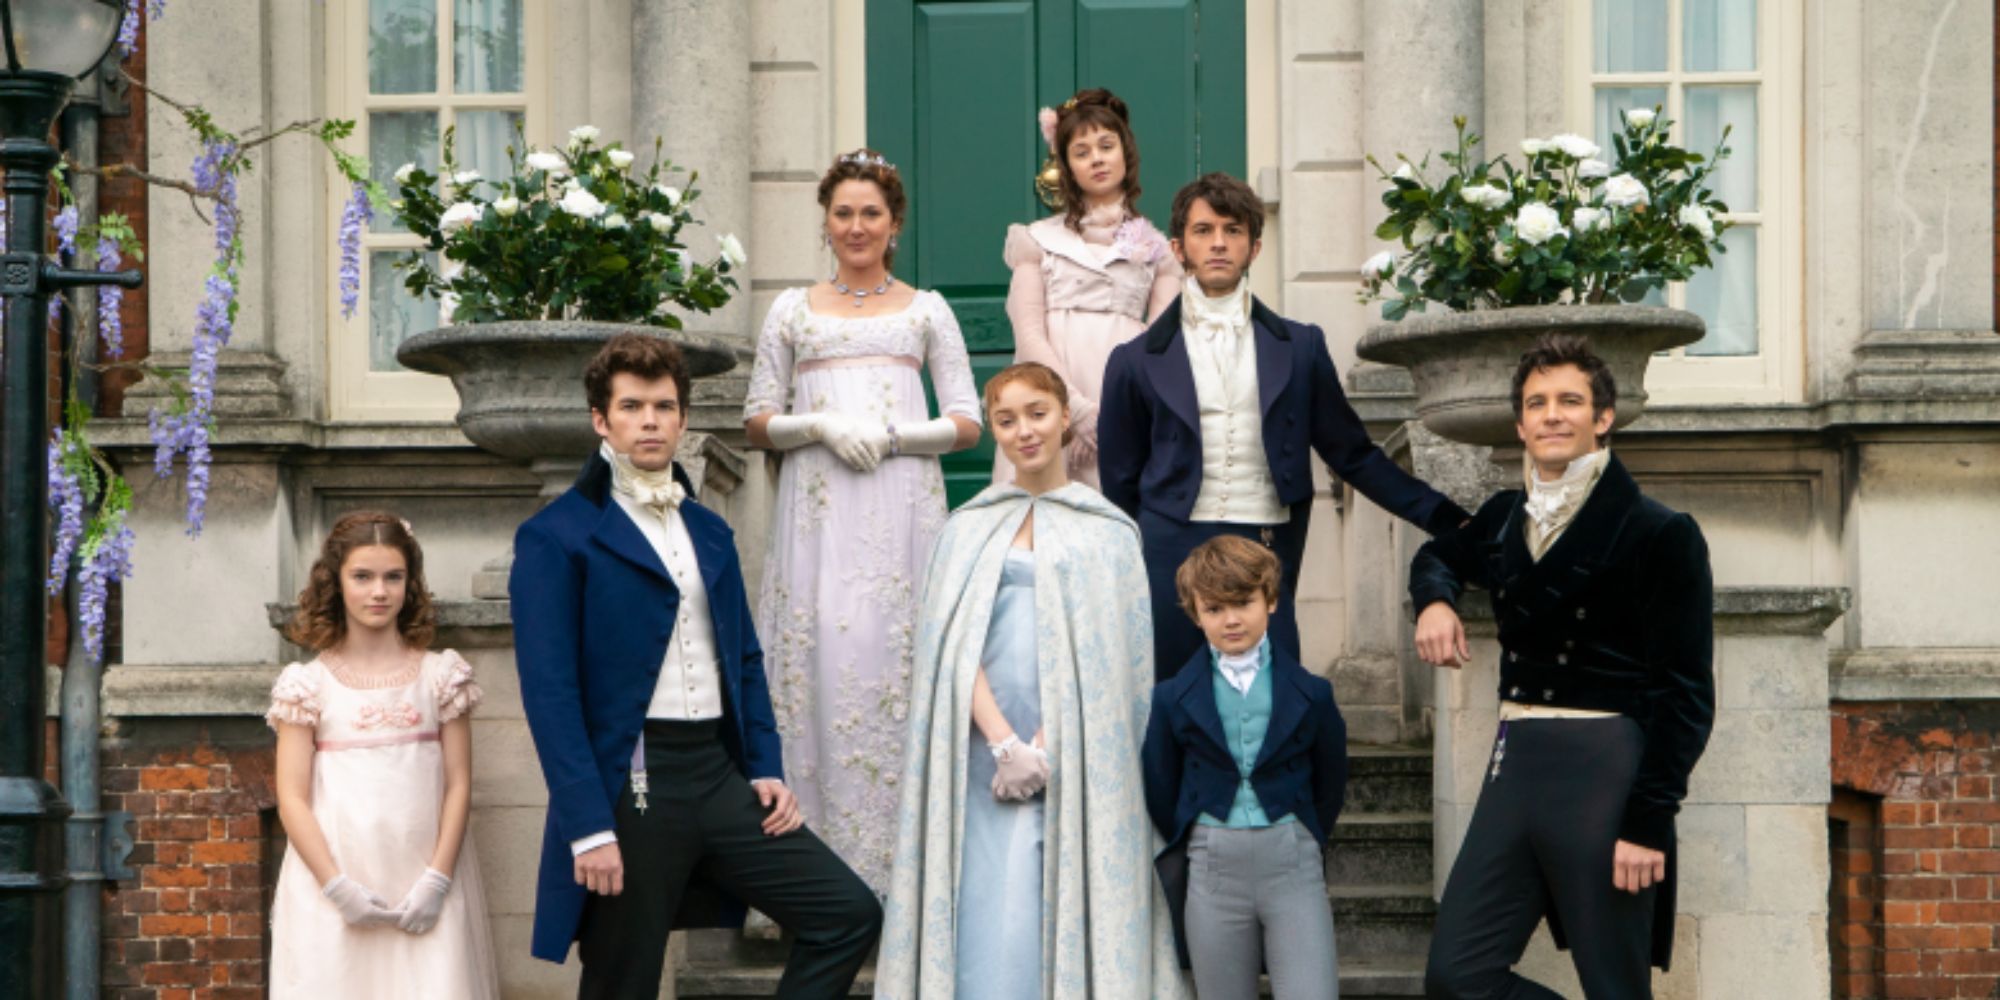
[{"x": 1867, "y": 483}]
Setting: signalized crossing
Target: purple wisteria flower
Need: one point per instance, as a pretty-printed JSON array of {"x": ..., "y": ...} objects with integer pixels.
[
  {"x": 66, "y": 496},
  {"x": 65, "y": 224},
  {"x": 185, "y": 432},
  {"x": 105, "y": 563},
  {"x": 353, "y": 219},
  {"x": 110, "y": 300},
  {"x": 128, "y": 29}
]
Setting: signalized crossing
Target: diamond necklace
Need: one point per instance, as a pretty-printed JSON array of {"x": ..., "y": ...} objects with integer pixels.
[{"x": 861, "y": 294}]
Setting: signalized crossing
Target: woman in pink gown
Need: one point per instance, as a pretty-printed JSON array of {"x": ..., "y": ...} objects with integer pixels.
[
  {"x": 379, "y": 895},
  {"x": 1092, "y": 277}
]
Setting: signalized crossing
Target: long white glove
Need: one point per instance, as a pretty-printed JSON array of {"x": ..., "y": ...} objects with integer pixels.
[
  {"x": 930, "y": 437},
  {"x": 425, "y": 901},
  {"x": 1022, "y": 772},
  {"x": 858, "y": 444},
  {"x": 357, "y": 905}
]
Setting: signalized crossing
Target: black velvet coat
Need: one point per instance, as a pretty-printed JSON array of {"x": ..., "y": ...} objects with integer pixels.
[{"x": 1617, "y": 616}]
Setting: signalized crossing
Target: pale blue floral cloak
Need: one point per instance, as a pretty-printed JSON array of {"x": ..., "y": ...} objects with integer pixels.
[{"x": 1106, "y": 929}]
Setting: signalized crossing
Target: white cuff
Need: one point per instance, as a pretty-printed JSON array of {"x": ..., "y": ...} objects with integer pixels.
[
  {"x": 931, "y": 437},
  {"x": 591, "y": 843},
  {"x": 788, "y": 431}
]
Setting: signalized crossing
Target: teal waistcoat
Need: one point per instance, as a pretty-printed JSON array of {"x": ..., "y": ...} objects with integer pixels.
[{"x": 1245, "y": 718}]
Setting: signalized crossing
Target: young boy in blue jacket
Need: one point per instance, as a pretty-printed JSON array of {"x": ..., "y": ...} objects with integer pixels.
[{"x": 1246, "y": 766}]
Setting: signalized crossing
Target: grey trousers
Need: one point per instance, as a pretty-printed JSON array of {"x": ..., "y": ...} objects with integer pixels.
[{"x": 1258, "y": 898}]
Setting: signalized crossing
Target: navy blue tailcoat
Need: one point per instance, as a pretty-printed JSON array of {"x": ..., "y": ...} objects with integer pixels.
[{"x": 593, "y": 609}]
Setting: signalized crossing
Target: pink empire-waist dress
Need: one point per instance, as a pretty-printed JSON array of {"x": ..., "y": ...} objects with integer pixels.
[
  {"x": 1074, "y": 297},
  {"x": 377, "y": 789}
]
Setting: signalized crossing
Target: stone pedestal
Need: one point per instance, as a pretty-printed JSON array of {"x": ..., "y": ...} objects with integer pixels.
[{"x": 1753, "y": 860}]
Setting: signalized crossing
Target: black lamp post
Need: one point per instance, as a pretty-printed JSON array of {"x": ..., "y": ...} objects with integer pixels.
[{"x": 48, "y": 43}]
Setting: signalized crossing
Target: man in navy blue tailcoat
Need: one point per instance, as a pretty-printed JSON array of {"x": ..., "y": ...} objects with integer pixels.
[
  {"x": 1210, "y": 418},
  {"x": 644, "y": 689}
]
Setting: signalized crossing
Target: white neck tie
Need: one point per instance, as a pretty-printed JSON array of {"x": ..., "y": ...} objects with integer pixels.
[
  {"x": 1240, "y": 669},
  {"x": 656, "y": 491}
]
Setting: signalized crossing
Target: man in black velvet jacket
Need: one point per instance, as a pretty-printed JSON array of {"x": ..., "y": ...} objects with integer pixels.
[{"x": 1607, "y": 694}]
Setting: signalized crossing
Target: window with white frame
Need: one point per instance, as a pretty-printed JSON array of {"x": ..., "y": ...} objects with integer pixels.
[
  {"x": 1710, "y": 65},
  {"x": 408, "y": 72}
]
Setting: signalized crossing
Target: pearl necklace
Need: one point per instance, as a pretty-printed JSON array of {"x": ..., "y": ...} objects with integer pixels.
[{"x": 861, "y": 294}]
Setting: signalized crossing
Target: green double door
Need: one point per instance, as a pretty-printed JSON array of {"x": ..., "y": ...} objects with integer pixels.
[{"x": 953, "y": 90}]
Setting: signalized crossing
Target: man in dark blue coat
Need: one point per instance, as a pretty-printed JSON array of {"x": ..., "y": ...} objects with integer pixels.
[
  {"x": 1209, "y": 420},
  {"x": 644, "y": 688}
]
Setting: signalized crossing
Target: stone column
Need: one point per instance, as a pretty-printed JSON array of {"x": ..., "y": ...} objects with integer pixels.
[
  {"x": 691, "y": 87},
  {"x": 1423, "y": 64}
]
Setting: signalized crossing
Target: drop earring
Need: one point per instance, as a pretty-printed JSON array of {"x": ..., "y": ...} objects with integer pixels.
[{"x": 892, "y": 243}]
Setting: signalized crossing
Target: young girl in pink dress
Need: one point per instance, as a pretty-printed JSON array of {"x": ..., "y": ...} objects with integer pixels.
[
  {"x": 379, "y": 896},
  {"x": 1091, "y": 277}
]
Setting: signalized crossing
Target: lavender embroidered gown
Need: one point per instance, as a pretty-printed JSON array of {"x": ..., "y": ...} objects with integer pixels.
[
  {"x": 378, "y": 781},
  {"x": 844, "y": 571}
]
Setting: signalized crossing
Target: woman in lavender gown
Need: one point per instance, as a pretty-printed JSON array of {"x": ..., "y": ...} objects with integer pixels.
[{"x": 838, "y": 387}]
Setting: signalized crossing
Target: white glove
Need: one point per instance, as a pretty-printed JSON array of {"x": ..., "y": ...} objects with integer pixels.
[
  {"x": 425, "y": 901},
  {"x": 789, "y": 430},
  {"x": 1023, "y": 770},
  {"x": 861, "y": 445},
  {"x": 930, "y": 437},
  {"x": 357, "y": 905}
]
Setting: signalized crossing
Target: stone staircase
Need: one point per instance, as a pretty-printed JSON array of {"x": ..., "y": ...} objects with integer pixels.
[{"x": 1378, "y": 876}]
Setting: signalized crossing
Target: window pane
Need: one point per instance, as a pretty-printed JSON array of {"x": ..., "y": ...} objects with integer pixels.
[
  {"x": 402, "y": 46},
  {"x": 1630, "y": 36},
  {"x": 1719, "y": 35},
  {"x": 1708, "y": 110},
  {"x": 487, "y": 48},
  {"x": 483, "y": 138},
  {"x": 396, "y": 138},
  {"x": 1612, "y": 100},
  {"x": 1726, "y": 297},
  {"x": 393, "y": 314}
]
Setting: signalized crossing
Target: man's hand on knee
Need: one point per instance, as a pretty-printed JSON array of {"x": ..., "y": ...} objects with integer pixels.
[
  {"x": 1635, "y": 868},
  {"x": 601, "y": 870}
]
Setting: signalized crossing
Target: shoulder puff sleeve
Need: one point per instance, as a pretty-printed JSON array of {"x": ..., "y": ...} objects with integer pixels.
[
  {"x": 1021, "y": 249},
  {"x": 770, "y": 386},
  {"x": 457, "y": 693},
  {"x": 950, "y": 366},
  {"x": 295, "y": 697}
]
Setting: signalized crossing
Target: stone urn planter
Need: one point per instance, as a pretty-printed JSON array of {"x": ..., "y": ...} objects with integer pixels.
[
  {"x": 1463, "y": 363},
  {"x": 520, "y": 393}
]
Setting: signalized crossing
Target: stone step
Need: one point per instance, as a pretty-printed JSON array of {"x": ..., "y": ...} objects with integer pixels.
[
  {"x": 1383, "y": 921},
  {"x": 1374, "y": 978},
  {"x": 1388, "y": 779},
  {"x": 1377, "y": 849}
]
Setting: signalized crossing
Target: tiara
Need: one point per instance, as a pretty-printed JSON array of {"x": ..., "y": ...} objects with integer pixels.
[{"x": 863, "y": 158}]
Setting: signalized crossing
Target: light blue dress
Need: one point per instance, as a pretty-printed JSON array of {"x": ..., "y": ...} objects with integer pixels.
[{"x": 1000, "y": 880}]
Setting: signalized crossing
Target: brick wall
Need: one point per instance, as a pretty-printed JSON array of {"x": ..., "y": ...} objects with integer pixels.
[
  {"x": 1915, "y": 813},
  {"x": 192, "y": 925}
]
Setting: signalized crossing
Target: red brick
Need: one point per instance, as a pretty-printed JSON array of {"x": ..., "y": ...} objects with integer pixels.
[
  {"x": 1915, "y": 988},
  {"x": 1913, "y": 838},
  {"x": 1969, "y": 913},
  {"x": 1976, "y": 937},
  {"x": 173, "y": 778},
  {"x": 233, "y": 852},
  {"x": 1987, "y": 862},
  {"x": 173, "y": 925},
  {"x": 172, "y": 828},
  {"x": 1899, "y": 962},
  {"x": 1899, "y": 813},
  {"x": 185, "y": 878},
  {"x": 1893, "y": 862},
  {"x": 175, "y": 974},
  {"x": 1960, "y": 963},
  {"x": 1974, "y": 788},
  {"x": 1975, "y": 835},
  {"x": 1969, "y": 812},
  {"x": 1915, "y": 888},
  {"x": 1857, "y": 935},
  {"x": 174, "y": 901},
  {"x": 1972, "y": 888},
  {"x": 1899, "y": 937}
]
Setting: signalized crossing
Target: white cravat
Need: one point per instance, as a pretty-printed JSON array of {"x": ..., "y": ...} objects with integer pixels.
[
  {"x": 1218, "y": 325},
  {"x": 1240, "y": 669},
  {"x": 1236, "y": 485},
  {"x": 690, "y": 685},
  {"x": 1552, "y": 504}
]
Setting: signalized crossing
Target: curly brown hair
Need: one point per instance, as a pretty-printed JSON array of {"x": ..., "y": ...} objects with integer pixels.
[
  {"x": 865, "y": 164},
  {"x": 321, "y": 620},
  {"x": 646, "y": 355},
  {"x": 1036, "y": 376},
  {"x": 1228, "y": 197},
  {"x": 1094, "y": 107},
  {"x": 1227, "y": 569},
  {"x": 1554, "y": 350}
]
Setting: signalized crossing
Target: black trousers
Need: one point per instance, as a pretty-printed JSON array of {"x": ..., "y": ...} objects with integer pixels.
[
  {"x": 1541, "y": 839},
  {"x": 703, "y": 819},
  {"x": 1166, "y": 544}
]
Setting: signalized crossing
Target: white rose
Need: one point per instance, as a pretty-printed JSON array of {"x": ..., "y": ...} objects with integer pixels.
[
  {"x": 1625, "y": 191},
  {"x": 660, "y": 223},
  {"x": 620, "y": 158},
  {"x": 581, "y": 204},
  {"x": 1484, "y": 195},
  {"x": 461, "y": 215},
  {"x": 1593, "y": 168},
  {"x": 582, "y": 134},
  {"x": 1379, "y": 266},
  {"x": 550, "y": 162},
  {"x": 1535, "y": 147},
  {"x": 465, "y": 177},
  {"x": 1537, "y": 223},
  {"x": 1697, "y": 218},
  {"x": 1423, "y": 232},
  {"x": 403, "y": 173},
  {"x": 1589, "y": 219},
  {"x": 1502, "y": 253},
  {"x": 669, "y": 192},
  {"x": 1639, "y": 117},
  {"x": 1575, "y": 146},
  {"x": 572, "y": 185},
  {"x": 732, "y": 250},
  {"x": 615, "y": 221},
  {"x": 507, "y": 206},
  {"x": 1405, "y": 173}
]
